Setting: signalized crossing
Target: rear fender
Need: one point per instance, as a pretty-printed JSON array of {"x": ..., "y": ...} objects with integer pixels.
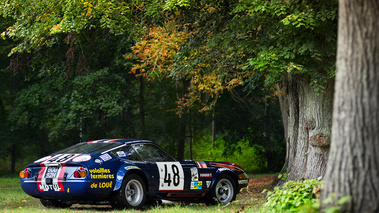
[{"x": 121, "y": 174}]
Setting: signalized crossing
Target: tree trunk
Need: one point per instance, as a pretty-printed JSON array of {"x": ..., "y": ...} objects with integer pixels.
[
  {"x": 307, "y": 123},
  {"x": 142, "y": 108},
  {"x": 182, "y": 138},
  {"x": 44, "y": 141},
  {"x": 183, "y": 122},
  {"x": 13, "y": 158},
  {"x": 353, "y": 167}
]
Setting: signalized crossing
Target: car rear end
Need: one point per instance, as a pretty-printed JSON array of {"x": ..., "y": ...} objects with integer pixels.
[{"x": 63, "y": 179}]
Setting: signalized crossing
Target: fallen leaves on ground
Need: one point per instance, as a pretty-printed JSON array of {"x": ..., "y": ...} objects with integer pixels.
[{"x": 252, "y": 196}]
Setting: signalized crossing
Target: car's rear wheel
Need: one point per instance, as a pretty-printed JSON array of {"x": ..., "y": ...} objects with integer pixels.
[
  {"x": 132, "y": 193},
  {"x": 224, "y": 190},
  {"x": 55, "y": 203}
]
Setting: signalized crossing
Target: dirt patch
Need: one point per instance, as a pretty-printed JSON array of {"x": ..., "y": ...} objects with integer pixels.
[
  {"x": 252, "y": 195},
  {"x": 258, "y": 184}
]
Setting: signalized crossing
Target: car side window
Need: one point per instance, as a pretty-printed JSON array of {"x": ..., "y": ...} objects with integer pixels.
[
  {"x": 152, "y": 153},
  {"x": 127, "y": 153}
]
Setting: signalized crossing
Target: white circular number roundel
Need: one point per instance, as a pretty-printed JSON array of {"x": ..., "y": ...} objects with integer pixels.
[{"x": 171, "y": 176}]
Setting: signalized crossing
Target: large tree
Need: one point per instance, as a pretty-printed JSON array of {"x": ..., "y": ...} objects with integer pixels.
[
  {"x": 225, "y": 44},
  {"x": 291, "y": 43},
  {"x": 353, "y": 166},
  {"x": 297, "y": 51}
]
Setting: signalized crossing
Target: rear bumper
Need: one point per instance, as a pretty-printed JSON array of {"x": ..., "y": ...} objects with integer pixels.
[{"x": 70, "y": 189}]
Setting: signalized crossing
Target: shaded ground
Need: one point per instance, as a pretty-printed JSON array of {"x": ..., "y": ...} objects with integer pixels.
[{"x": 251, "y": 199}]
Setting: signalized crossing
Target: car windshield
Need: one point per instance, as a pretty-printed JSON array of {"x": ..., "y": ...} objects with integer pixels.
[
  {"x": 88, "y": 148},
  {"x": 151, "y": 152}
]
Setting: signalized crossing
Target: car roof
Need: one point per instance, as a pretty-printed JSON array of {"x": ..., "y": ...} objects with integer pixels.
[{"x": 121, "y": 140}]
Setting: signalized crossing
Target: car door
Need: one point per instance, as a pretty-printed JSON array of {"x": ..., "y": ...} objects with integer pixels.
[
  {"x": 171, "y": 176},
  {"x": 167, "y": 174}
]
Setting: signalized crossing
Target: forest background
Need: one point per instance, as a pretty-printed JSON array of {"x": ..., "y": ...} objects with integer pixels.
[
  {"x": 201, "y": 78},
  {"x": 257, "y": 75}
]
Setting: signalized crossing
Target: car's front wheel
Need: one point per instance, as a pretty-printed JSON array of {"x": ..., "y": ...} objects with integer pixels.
[
  {"x": 132, "y": 193},
  {"x": 55, "y": 203},
  {"x": 223, "y": 191}
]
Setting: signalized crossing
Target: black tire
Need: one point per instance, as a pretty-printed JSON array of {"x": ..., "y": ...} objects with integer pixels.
[
  {"x": 224, "y": 191},
  {"x": 132, "y": 193},
  {"x": 55, "y": 203}
]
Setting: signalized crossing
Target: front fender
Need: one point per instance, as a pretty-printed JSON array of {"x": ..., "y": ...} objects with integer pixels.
[{"x": 222, "y": 171}]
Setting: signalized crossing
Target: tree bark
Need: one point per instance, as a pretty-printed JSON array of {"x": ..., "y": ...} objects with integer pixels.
[
  {"x": 142, "y": 108},
  {"x": 353, "y": 167},
  {"x": 183, "y": 122},
  {"x": 13, "y": 158},
  {"x": 307, "y": 120}
]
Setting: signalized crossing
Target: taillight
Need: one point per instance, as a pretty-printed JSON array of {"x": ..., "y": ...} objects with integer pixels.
[
  {"x": 76, "y": 174},
  {"x": 83, "y": 173},
  {"x": 25, "y": 173},
  {"x": 80, "y": 173}
]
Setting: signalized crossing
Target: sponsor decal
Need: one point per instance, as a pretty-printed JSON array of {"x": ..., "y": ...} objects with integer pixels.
[
  {"x": 105, "y": 157},
  {"x": 171, "y": 176},
  {"x": 204, "y": 165},
  {"x": 60, "y": 158},
  {"x": 198, "y": 164},
  {"x": 196, "y": 184},
  {"x": 194, "y": 174},
  {"x": 208, "y": 183},
  {"x": 102, "y": 185},
  {"x": 121, "y": 154},
  {"x": 82, "y": 158},
  {"x": 51, "y": 177},
  {"x": 131, "y": 167},
  {"x": 42, "y": 159},
  {"x": 241, "y": 182},
  {"x": 201, "y": 165},
  {"x": 206, "y": 175},
  {"x": 101, "y": 173}
]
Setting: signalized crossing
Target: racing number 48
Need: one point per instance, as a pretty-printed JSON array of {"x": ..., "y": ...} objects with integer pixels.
[
  {"x": 167, "y": 175},
  {"x": 171, "y": 176}
]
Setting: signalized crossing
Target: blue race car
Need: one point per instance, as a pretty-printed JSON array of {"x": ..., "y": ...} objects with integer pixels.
[{"x": 128, "y": 174}]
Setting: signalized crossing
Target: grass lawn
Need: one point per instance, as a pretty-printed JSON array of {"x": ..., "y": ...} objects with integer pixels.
[{"x": 13, "y": 199}]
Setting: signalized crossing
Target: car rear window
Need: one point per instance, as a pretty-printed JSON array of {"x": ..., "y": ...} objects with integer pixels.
[{"x": 88, "y": 148}]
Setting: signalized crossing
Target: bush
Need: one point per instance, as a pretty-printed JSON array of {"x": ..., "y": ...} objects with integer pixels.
[
  {"x": 249, "y": 157},
  {"x": 292, "y": 195}
]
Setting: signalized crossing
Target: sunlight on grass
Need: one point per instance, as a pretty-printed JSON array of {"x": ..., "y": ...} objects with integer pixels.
[
  {"x": 9, "y": 182},
  {"x": 13, "y": 198}
]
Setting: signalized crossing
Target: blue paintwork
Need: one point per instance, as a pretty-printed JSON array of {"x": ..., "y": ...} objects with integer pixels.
[{"x": 107, "y": 176}]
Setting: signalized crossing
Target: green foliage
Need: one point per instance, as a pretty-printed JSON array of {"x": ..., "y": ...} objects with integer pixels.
[
  {"x": 283, "y": 175},
  {"x": 69, "y": 82},
  {"x": 292, "y": 37},
  {"x": 37, "y": 22},
  {"x": 315, "y": 207},
  {"x": 171, "y": 4},
  {"x": 249, "y": 157},
  {"x": 292, "y": 195}
]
